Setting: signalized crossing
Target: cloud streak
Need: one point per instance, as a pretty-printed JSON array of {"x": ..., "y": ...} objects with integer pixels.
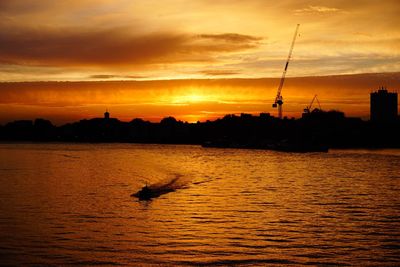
[
  {"x": 219, "y": 72},
  {"x": 231, "y": 37},
  {"x": 317, "y": 10},
  {"x": 112, "y": 76},
  {"x": 113, "y": 47},
  {"x": 173, "y": 39}
]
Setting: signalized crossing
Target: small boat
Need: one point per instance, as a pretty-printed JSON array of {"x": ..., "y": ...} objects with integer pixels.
[{"x": 147, "y": 193}]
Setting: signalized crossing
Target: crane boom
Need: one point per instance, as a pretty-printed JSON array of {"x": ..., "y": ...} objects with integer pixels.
[
  {"x": 278, "y": 99},
  {"x": 312, "y": 102},
  {"x": 308, "y": 110}
]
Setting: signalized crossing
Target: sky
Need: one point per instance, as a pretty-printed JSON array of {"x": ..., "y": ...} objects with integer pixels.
[{"x": 148, "y": 40}]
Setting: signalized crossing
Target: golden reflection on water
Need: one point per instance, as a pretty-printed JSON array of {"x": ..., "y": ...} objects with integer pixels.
[{"x": 70, "y": 204}]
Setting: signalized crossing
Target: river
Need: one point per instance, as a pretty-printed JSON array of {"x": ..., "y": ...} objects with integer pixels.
[{"x": 65, "y": 204}]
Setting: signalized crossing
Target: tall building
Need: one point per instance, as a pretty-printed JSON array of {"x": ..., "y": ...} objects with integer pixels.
[{"x": 383, "y": 106}]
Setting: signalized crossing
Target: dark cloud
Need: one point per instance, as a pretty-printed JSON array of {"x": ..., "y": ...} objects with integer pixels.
[
  {"x": 73, "y": 47},
  {"x": 20, "y": 7},
  {"x": 231, "y": 37},
  {"x": 111, "y": 47}
]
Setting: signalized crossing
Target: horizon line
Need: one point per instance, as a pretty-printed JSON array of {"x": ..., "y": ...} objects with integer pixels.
[{"x": 238, "y": 114}]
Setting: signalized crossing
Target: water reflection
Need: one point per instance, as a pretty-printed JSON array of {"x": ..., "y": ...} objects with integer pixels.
[{"x": 70, "y": 204}]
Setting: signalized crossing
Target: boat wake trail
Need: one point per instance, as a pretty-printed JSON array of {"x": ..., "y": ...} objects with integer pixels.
[{"x": 155, "y": 190}]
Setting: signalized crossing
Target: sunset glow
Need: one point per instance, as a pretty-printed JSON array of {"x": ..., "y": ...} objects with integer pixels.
[
  {"x": 158, "y": 42},
  {"x": 199, "y": 132}
]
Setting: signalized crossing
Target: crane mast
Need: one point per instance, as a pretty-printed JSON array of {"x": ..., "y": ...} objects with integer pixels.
[{"x": 279, "y": 99}]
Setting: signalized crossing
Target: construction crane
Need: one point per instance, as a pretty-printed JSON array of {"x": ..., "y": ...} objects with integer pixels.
[
  {"x": 308, "y": 110},
  {"x": 279, "y": 99}
]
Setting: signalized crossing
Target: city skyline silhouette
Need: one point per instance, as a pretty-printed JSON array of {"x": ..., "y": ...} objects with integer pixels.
[{"x": 199, "y": 133}]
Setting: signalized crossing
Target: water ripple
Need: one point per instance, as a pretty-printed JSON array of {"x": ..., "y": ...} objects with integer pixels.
[{"x": 234, "y": 207}]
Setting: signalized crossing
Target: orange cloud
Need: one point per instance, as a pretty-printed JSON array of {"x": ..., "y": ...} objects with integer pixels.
[
  {"x": 115, "y": 47},
  {"x": 171, "y": 39}
]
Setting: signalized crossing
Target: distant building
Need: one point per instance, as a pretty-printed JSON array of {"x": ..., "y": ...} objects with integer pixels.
[
  {"x": 106, "y": 115},
  {"x": 265, "y": 115},
  {"x": 245, "y": 116},
  {"x": 383, "y": 106}
]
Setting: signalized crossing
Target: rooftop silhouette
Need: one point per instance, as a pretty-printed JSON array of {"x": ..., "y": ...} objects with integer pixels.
[{"x": 316, "y": 131}]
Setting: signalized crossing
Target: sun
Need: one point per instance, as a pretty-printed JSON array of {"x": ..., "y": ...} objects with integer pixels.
[{"x": 192, "y": 98}]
